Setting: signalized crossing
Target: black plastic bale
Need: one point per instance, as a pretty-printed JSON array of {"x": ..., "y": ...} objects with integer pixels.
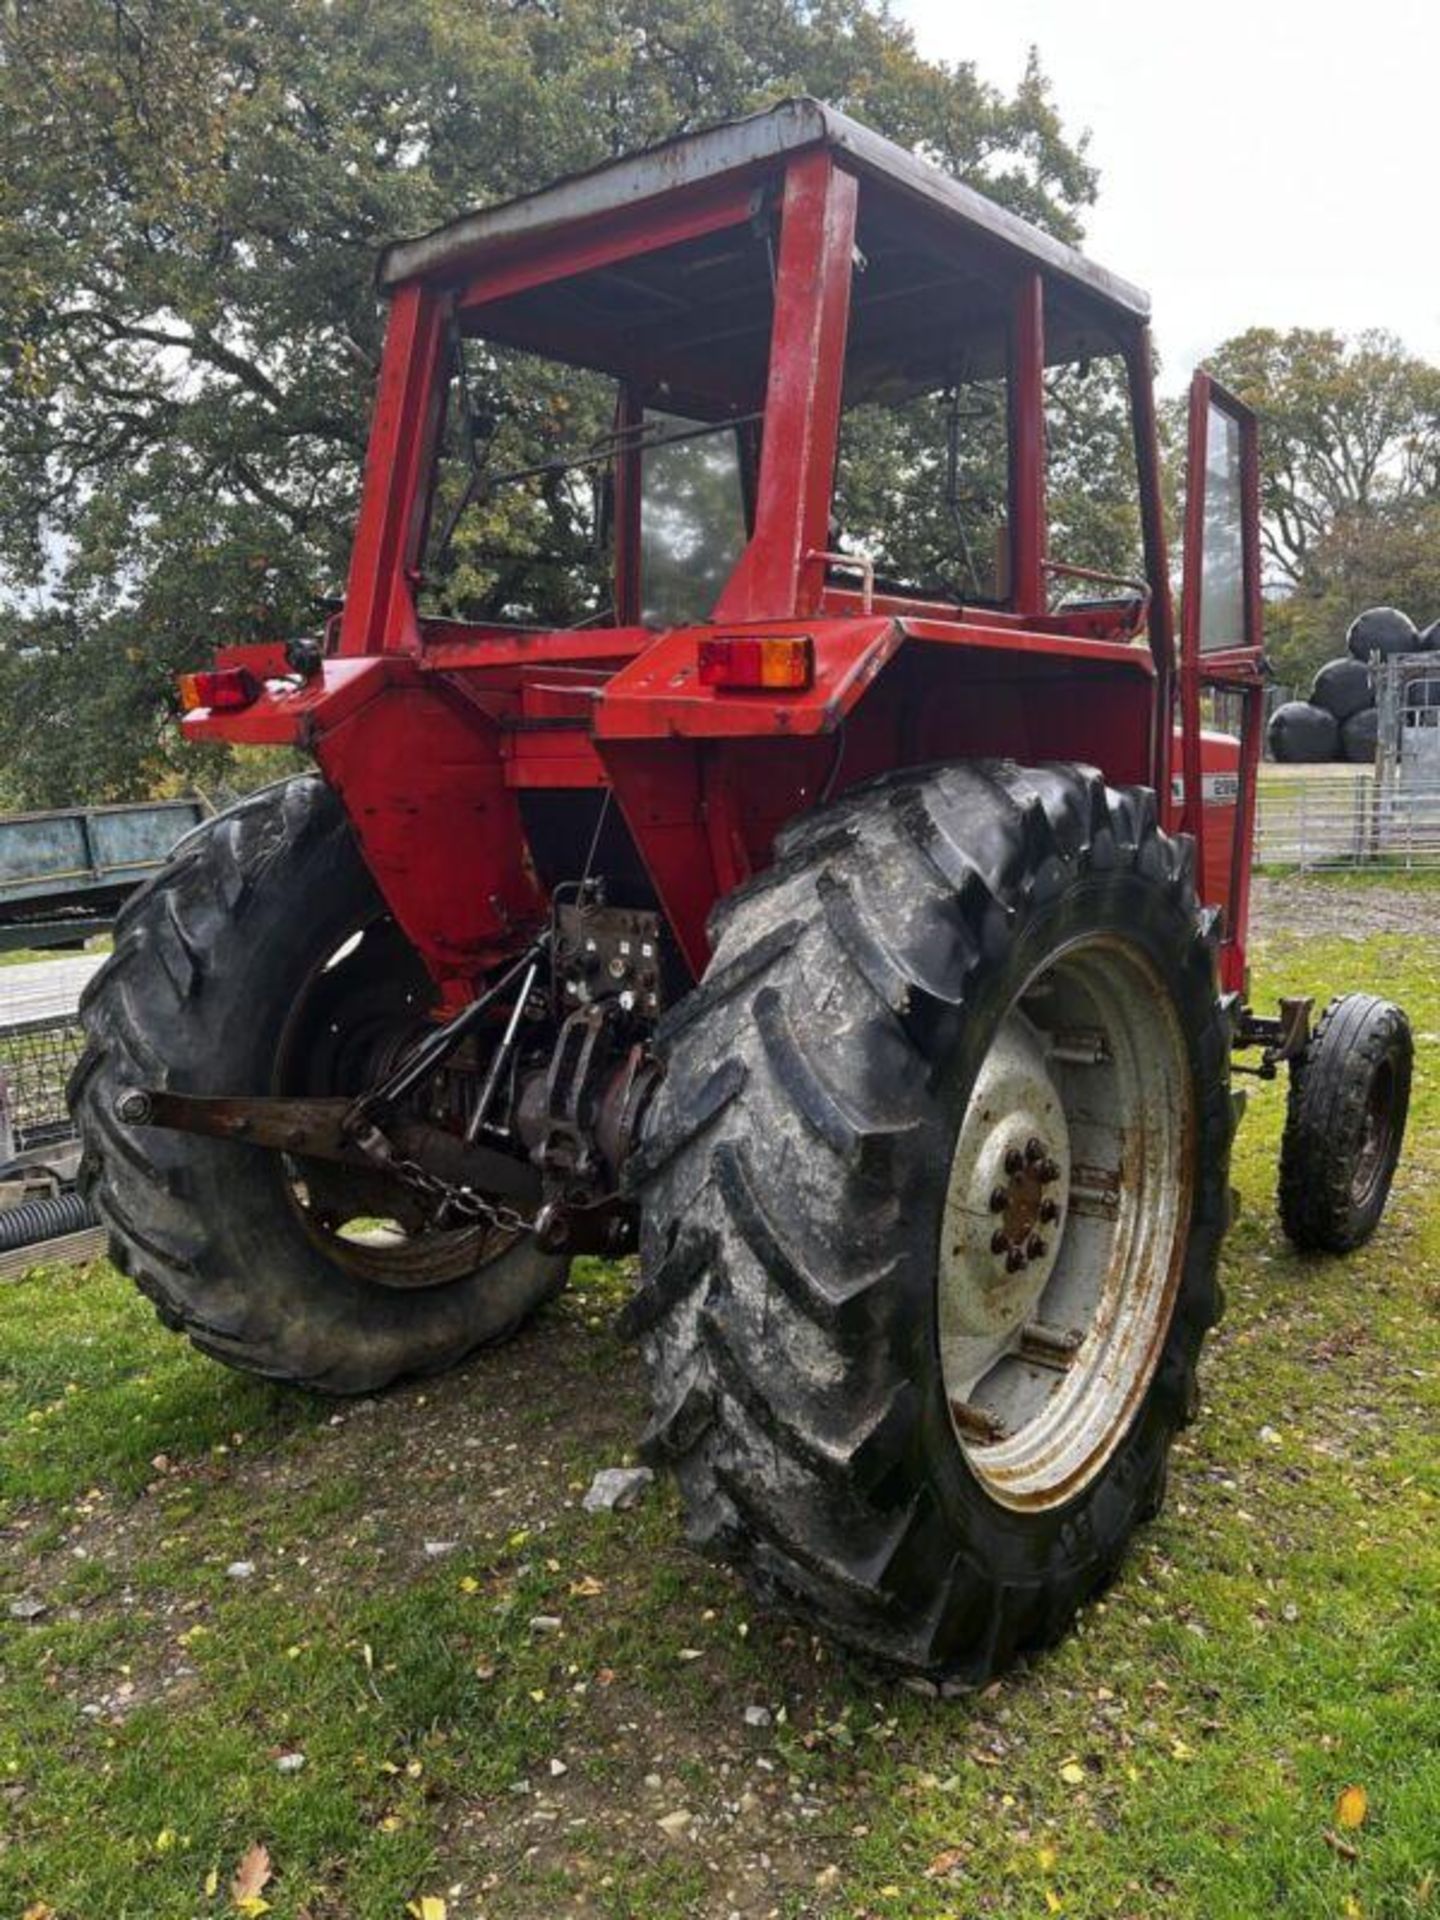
[
  {"x": 1343, "y": 687},
  {"x": 1359, "y": 735},
  {"x": 1301, "y": 734},
  {"x": 1383, "y": 630}
]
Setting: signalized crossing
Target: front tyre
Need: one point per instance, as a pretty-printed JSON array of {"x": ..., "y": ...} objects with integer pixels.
[
  {"x": 934, "y": 1194},
  {"x": 1344, "y": 1123},
  {"x": 260, "y": 960}
]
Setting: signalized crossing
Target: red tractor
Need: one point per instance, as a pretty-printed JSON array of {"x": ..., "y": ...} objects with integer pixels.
[{"x": 738, "y": 834}]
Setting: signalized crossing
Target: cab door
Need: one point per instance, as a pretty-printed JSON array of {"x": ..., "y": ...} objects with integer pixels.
[{"x": 1221, "y": 659}]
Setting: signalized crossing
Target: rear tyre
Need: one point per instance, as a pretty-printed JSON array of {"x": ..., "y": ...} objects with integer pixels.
[
  {"x": 1349, "y": 1097},
  {"x": 934, "y": 1193},
  {"x": 260, "y": 961}
]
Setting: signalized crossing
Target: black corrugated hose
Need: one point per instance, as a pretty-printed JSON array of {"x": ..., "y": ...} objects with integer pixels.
[{"x": 47, "y": 1218}]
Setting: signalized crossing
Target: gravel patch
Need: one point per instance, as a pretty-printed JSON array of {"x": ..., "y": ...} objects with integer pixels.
[{"x": 1335, "y": 906}]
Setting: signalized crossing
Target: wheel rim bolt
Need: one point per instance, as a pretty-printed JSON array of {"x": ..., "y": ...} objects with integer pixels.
[
  {"x": 999, "y": 1199},
  {"x": 1015, "y": 1261},
  {"x": 1033, "y": 1150},
  {"x": 1014, "y": 1161},
  {"x": 998, "y": 1242},
  {"x": 1049, "y": 1212},
  {"x": 1049, "y": 1173},
  {"x": 1036, "y": 1247}
]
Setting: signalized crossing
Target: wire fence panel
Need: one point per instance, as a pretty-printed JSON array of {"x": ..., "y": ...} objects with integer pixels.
[
  {"x": 1352, "y": 821},
  {"x": 36, "y": 1057},
  {"x": 40, "y": 1040}
]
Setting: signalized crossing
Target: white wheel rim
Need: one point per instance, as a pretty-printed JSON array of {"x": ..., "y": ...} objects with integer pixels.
[{"x": 1066, "y": 1217}]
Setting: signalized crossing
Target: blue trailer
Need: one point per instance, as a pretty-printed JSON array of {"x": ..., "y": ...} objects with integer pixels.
[{"x": 63, "y": 875}]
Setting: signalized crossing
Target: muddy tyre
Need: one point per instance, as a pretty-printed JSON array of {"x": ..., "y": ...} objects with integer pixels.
[
  {"x": 248, "y": 965},
  {"x": 1344, "y": 1124},
  {"x": 929, "y": 1241}
]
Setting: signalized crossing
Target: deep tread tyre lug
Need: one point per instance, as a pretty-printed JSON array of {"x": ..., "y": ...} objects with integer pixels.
[{"x": 793, "y": 1360}]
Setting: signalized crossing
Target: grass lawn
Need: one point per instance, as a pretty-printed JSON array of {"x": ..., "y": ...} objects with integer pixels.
[
  {"x": 497, "y": 1698},
  {"x": 29, "y": 956}
]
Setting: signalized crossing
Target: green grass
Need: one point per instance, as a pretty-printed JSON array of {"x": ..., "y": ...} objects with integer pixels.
[
  {"x": 27, "y": 956},
  {"x": 1272, "y": 1639},
  {"x": 1375, "y": 873}
]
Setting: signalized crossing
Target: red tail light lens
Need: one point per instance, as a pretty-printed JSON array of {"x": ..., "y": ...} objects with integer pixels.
[
  {"x": 225, "y": 691},
  {"x": 773, "y": 664}
]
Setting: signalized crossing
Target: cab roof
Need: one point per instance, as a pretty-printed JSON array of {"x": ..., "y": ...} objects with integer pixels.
[{"x": 746, "y": 145}]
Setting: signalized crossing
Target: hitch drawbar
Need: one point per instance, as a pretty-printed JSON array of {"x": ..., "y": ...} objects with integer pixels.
[
  {"x": 475, "y": 1181},
  {"x": 320, "y": 1129}
]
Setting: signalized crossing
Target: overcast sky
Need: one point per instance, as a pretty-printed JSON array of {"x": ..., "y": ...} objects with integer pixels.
[{"x": 1262, "y": 162}]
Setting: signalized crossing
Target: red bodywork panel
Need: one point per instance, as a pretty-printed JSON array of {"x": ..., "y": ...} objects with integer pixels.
[
  {"x": 428, "y": 751},
  {"x": 433, "y": 732}
]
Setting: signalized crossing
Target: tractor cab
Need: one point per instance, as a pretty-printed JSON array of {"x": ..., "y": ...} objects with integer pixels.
[{"x": 782, "y": 381}]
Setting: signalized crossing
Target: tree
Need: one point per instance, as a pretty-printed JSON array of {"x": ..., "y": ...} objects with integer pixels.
[
  {"x": 192, "y": 193},
  {"x": 1350, "y": 428},
  {"x": 1387, "y": 557}
]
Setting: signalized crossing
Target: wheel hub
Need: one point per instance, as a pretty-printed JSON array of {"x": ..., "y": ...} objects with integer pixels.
[{"x": 1003, "y": 1211}]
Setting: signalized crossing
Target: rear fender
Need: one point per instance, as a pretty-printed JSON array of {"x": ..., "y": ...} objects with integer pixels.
[
  {"x": 706, "y": 778},
  {"x": 419, "y": 770}
]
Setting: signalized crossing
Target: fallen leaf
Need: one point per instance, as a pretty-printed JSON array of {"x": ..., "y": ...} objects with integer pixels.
[
  {"x": 1342, "y": 1847},
  {"x": 469, "y": 1584},
  {"x": 165, "y": 1840},
  {"x": 945, "y": 1862},
  {"x": 1073, "y": 1774},
  {"x": 252, "y": 1875},
  {"x": 428, "y": 1907},
  {"x": 587, "y": 1587},
  {"x": 40, "y": 1910},
  {"x": 1045, "y": 1858},
  {"x": 1352, "y": 1807},
  {"x": 1052, "y": 1900}
]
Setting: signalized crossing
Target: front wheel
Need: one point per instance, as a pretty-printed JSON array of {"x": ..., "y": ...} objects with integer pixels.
[
  {"x": 1344, "y": 1124},
  {"x": 934, "y": 1193}
]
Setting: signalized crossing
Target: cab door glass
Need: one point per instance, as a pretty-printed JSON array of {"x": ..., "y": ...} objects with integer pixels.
[{"x": 1222, "y": 585}]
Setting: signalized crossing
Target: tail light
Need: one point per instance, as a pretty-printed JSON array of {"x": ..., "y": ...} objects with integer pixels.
[
  {"x": 226, "y": 690},
  {"x": 774, "y": 664}
]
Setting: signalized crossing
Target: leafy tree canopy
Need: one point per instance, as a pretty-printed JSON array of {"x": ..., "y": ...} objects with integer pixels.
[
  {"x": 1348, "y": 426},
  {"x": 1385, "y": 558},
  {"x": 191, "y": 197}
]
